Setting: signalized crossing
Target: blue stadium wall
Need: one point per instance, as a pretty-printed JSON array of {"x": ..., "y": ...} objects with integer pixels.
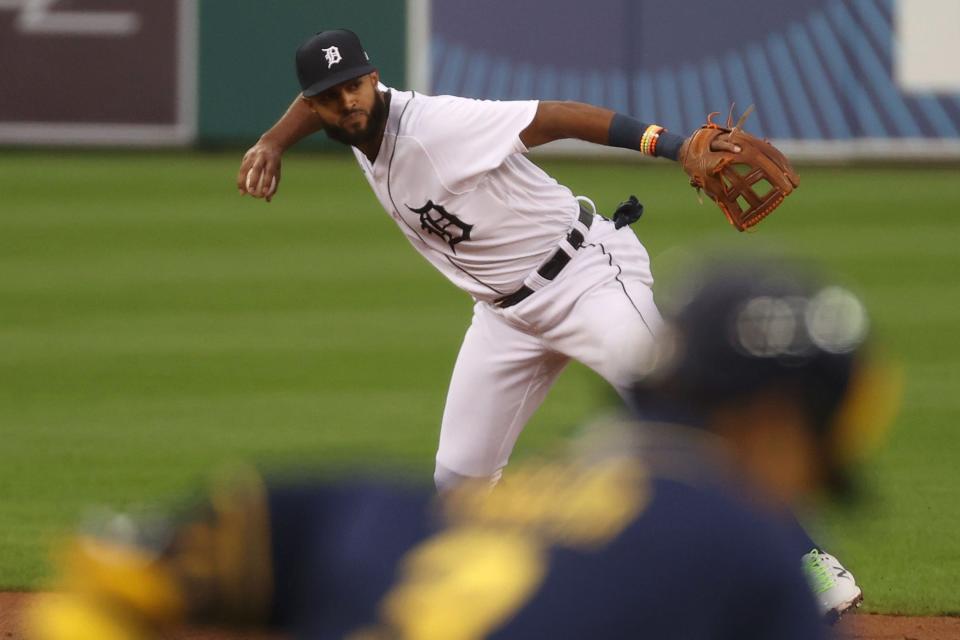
[{"x": 820, "y": 71}]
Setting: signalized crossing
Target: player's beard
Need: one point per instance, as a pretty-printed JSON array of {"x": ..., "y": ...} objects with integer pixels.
[{"x": 374, "y": 124}]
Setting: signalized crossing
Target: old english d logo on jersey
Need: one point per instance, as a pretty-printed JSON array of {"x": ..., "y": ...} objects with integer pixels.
[{"x": 437, "y": 220}]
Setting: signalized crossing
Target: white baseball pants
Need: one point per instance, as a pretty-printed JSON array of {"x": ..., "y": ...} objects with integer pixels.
[{"x": 599, "y": 311}]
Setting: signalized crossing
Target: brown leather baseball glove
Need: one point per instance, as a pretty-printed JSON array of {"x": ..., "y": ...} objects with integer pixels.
[{"x": 747, "y": 186}]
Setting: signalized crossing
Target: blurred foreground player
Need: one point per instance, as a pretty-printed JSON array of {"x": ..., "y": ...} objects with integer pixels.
[
  {"x": 774, "y": 364},
  {"x": 673, "y": 532}
]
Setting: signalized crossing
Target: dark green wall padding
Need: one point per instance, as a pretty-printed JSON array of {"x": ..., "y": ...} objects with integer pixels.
[{"x": 247, "y": 78}]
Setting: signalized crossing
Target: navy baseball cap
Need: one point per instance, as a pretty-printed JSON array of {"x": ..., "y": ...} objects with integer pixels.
[{"x": 329, "y": 58}]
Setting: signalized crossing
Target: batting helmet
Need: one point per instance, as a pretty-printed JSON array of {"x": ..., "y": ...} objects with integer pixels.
[{"x": 743, "y": 328}]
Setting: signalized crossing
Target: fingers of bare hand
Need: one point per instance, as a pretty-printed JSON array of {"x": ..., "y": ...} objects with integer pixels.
[
  {"x": 272, "y": 190},
  {"x": 267, "y": 179},
  {"x": 242, "y": 176},
  {"x": 252, "y": 184}
]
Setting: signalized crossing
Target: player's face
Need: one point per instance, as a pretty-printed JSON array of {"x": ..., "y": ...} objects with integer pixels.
[{"x": 352, "y": 111}]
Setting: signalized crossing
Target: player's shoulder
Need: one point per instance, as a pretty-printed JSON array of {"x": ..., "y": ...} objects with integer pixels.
[
  {"x": 438, "y": 116},
  {"x": 738, "y": 552},
  {"x": 718, "y": 537},
  {"x": 431, "y": 112},
  {"x": 730, "y": 515},
  {"x": 414, "y": 114},
  {"x": 692, "y": 475},
  {"x": 440, "y": 102}
]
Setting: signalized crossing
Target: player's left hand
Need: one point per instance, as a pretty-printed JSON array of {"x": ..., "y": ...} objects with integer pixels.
[
  {"x": 720, "y": 143},
  {"x": 746, "y": 176}
]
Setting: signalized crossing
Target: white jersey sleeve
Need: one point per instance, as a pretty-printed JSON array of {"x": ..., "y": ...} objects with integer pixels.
[{"x": 468, "y": 138}]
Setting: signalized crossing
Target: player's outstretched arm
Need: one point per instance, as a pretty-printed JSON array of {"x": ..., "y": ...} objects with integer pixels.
[
  {"x": 576, "y": 120},
  {"x": 563, "y": 120},
  {"x": 259, "y": 173}
]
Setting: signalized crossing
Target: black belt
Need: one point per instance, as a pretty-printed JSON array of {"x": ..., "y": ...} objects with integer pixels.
[{"x": 554, "y": 265}]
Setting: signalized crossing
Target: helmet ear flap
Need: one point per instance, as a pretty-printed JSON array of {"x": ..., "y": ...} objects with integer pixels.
[{"x": 871, "y": 403}]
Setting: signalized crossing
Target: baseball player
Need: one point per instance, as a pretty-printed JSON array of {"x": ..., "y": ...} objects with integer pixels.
[
  {"x": 664, "y": 531},
  {"x": 551, "y": 280}
]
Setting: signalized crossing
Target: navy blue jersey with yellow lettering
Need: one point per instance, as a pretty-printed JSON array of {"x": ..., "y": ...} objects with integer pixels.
[{"x": 641, "y": 546}]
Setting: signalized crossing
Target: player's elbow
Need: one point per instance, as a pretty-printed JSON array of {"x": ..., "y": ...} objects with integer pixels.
[{"x": 547, "y": 124}]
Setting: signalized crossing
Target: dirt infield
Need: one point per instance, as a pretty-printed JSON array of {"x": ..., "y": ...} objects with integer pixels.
[
  {"x": 876, "y": 627},
  {"x": 856, "y": 627}
]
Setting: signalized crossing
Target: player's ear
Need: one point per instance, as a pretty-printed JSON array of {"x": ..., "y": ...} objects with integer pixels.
[{"x": 374, "y": 78}]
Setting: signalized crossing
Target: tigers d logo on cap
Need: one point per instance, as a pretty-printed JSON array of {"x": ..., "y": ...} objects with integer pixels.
[
  {"x": 328, "y": 58},
  {"x": 333, "y": 56}
]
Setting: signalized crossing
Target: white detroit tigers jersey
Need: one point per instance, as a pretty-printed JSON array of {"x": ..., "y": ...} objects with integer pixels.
[{"x": 452, "y": 174}]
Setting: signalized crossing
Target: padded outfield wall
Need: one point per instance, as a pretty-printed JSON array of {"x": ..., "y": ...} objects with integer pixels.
[
  {"x": 88, "y": 72},
  {"x": 167, "y": 72},
  {"x": 829, "y": 78}
]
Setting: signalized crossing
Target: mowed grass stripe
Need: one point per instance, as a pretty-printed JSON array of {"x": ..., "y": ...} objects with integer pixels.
[{"x": 154, "y": 324}]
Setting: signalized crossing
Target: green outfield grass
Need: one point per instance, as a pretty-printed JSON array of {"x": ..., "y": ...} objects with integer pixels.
[{"x": 154, "y": 324}]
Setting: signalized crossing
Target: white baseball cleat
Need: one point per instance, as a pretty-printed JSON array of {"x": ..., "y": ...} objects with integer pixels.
[{"x": 833, "y": 586}]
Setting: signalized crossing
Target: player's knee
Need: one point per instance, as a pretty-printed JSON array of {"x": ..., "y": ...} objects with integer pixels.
[{"x": 445, "y": 479}]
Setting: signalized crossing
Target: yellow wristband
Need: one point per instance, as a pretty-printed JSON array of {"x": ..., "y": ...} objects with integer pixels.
[{"x": 648, "y": 143}]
